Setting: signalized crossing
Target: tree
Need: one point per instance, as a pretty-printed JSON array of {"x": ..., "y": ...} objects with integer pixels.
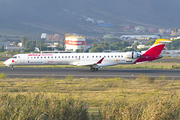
[
  {"x": 150, "y": 43},
  {"x": 95, "y": 43},
  {"x": 104, "y": 45},
  {"x": 1, "y": 49},
  {"x": 127, "y": 49},
  {"x": 16, "y": 43},
  {"x": 116, "y": 46},
  {"x": 30, "y": 45},
  {"x": 124, "y": 44},
  {"x": 23, "y": 40},
  {"x": 96, "y": 49}
]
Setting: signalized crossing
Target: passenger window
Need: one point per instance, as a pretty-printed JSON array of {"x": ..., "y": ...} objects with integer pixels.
[
  {"x": 62, "y": 56},
  {"x": 115, "y": 56},
  {"x": 82, "y": 56},
  {"x": 92, "y": 56},
  {"x": 122, "y": 56},
  {"x": 55, "y": 56},
  {"x": 37, "y": 57},
  {"x": 44, "y": 57},
  {"x": 34, "y": 57},
  {"x": 59, "y": 57},
  {"x": 52, "y": 57},
  {"x": 96, "y": 56},
  {"x": 48, "y": 57},
  {"x": 68, "y": 56},
  {"x": 28, "y": 57},
  {"x": 99, "y": 56},
  {"x": 119, "y": 56},
  {"x": 72, "y": 56},
  {"x": 104, "y": 56},
  {"x": 65, "y": 56},
  {"x": 41, "y": 57},
  {"x": 112, "y": 56},
  {"x": 108, "y": 56},
  {"x": 76, "y": 56},
  {"x": 87, "y": 56}
]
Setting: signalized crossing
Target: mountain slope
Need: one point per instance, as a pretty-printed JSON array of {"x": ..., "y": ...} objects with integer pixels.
[{"x": 63, "y": 15}]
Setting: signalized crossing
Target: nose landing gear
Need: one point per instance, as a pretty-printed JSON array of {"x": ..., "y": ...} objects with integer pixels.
[{"x": 12, "y": 68}]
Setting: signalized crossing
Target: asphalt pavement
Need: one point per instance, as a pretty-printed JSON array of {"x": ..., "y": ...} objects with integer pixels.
[{"x": 85, "y": 72}]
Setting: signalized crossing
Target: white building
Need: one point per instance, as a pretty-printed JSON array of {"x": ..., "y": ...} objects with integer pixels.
[
  {"x": 142, "y": 46},
  {"x": 72, "y": 43},
  {"x": 14, "y": 48},
  {"x": 43, "y": 35},
  {"x": 139, "y": 37}
]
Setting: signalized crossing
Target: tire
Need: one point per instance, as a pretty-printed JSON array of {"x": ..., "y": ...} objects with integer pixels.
[{"x": 92, "y": 69}]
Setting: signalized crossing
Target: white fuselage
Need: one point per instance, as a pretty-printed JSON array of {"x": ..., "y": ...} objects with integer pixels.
[{"x": 79, "y": 59}]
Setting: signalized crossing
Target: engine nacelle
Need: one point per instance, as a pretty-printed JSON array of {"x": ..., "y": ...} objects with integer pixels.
[{"x": 132, "y": 55}]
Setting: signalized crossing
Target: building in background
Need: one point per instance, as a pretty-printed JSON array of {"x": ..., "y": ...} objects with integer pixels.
[
  {"x": 43, "y": 35},
  {"x": 14, "y": 48},
  {"x": 139, "y": 37},
  {"x": 4, "y": 44},
  {"x": 73, "y": 42}
]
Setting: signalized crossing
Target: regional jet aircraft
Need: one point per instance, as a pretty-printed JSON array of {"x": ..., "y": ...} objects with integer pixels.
[{"x": 93, "y": 60}]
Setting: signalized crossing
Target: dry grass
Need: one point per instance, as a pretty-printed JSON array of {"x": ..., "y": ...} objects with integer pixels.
[
  {"x": 106, "y": 95},
  {"x": 92, "y": 90}
]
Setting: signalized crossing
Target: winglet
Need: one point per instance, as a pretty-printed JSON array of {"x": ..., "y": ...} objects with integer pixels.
[{"x": 99, "y": 62}]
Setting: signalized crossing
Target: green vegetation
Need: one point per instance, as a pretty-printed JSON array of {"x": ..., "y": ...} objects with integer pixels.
[
  {"x": 109, "y": 46},
  {"x": 39, "y": 106},
  {"x": 1, "y": 49},
  {"x": 143, "y": 98},
  {"x": 174, "y": 45}
]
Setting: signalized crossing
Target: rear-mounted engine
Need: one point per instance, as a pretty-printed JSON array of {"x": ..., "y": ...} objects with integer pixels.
[{"x": 132, "y": 55}]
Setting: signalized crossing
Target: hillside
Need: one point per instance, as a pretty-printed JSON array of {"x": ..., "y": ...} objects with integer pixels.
[{"x": 36, "y": 16}]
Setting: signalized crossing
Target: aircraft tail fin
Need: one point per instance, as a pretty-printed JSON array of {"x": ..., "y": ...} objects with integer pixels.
[{"x": 157, "y": 47}]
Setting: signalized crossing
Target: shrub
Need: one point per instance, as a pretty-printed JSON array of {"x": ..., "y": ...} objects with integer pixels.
[
  {"x": 155, "y": 108},
  {"x": 150, "y": 80},
  {"x": 175, "y": 66},
  {"x": 41, "y": 107},
  {"x": 142, "y": 78},
  {"x": 70, "y": 77},
  {"x": 162, "y": 77},
  {"x": 2, "y": 76}
]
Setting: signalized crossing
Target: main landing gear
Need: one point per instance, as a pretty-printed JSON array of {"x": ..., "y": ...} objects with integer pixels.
[
  {"x": 12, "y": 68},
  {"x": 93, "y": 69}
]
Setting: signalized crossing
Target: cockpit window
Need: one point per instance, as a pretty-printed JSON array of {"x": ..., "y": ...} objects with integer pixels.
[{"x": 14, "y": 57}]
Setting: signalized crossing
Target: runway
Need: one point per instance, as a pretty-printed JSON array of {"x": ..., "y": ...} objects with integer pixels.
[{"x": 85, "y": 72}]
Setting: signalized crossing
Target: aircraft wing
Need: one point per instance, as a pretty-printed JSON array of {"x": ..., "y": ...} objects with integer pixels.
[{"x": 90, "y": 63}]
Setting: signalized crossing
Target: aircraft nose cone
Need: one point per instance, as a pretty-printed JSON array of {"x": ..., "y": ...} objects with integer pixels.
[{"x": 6, "y": 62}]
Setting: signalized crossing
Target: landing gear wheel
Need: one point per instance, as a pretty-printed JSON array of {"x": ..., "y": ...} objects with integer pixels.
[
  {"x": 92, "y": 69},
  {"x": 96, "y": 69},
  {"x": 12, "y": 68}
]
